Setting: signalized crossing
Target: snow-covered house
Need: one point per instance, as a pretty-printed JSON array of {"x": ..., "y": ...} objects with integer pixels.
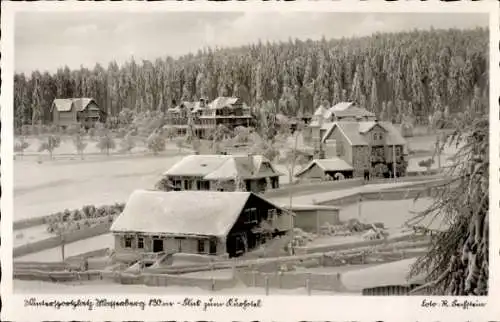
[
  {"x": 228, "y": 111},
  {"x": 324, "y": 116},
  {"x": 343, "y": 111},
  {"x": 196, "y": 222},
  {"x": 70, "y": 111},
  {"x": 223, "y": 173},
  {"x": 178, "y": 117},
  {"x": 367, "y": 146},
  {"x": 321, "y": 169}
]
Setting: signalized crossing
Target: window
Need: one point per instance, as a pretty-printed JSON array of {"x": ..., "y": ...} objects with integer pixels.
[
  {"x": 177, "y": 184},
  {"x": 201, "y": 246},
  {"x": 271, "y": 213},
  {"x": 340, "y": 148},
  {"x": 140, "y": 242},
  {"x": 128, "y": 242},
  {"x": 250, "y": 215},
  {"x": 203, "y": 185},
  {"x": 213, "y": 247}
]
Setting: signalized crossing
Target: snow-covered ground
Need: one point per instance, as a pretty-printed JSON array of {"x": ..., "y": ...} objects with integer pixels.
[
  {"x": 215, "y": 274},
  {"x": 38, "y": 287},
  {"x": 72, "y": 249},
  {"x": 393, "y": 213},
  {"x": 51, "y": 186},
  {"x": 31, "y": 235},
  {"x": 394, "y": 273},
  {"x": 332, "y": 270},
  {"x": 309, "y": 198},
  {"x": 67, "y": 146},
  {"x": 334, "y": 240}
]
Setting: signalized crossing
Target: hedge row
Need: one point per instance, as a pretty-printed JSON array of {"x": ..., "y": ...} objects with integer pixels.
[{"x": 87, "y": 216}]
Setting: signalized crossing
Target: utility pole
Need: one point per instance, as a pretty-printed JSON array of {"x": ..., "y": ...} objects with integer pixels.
[
  {"x": 360, "y": 203},
  {"x": 394, "y": 161}
]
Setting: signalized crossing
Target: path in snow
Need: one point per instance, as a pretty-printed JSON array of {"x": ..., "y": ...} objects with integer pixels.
[{"x": 307, "y": 199}]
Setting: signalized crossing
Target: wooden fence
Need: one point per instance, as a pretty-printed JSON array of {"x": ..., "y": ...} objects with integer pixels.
[
  {"x": 268, "y": 276},
  {"x": 57, "y": 241}
]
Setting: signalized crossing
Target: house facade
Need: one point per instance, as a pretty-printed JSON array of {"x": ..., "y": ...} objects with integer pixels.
[
  {"x": 369, "y": 147},
  {"x": 180, "y": 116},
  {"x": 204, "y": 117},
  {"x": 253, "y": 173},
  {"x": 217, "y": 223},
  {"x": 71, "y": 111},
  {"x": 343, "y": 111},
  {"x": 228, "y": 111}
]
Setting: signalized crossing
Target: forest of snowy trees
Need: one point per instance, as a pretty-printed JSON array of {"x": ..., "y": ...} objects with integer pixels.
[{"x": 408, "y": 74}]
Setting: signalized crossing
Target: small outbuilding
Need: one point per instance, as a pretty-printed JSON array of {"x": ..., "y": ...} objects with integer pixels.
[
  {"x": 334, "y": 169},
  {"x": 197, "y": 222},
  {"x": 311, "y": 218}
]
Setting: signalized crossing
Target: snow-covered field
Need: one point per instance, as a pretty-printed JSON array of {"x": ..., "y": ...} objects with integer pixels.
[
  {"x": 38, "y": 287},
  {"x": 43, "y": 189},
  {"x": 331, "y": 270},
  {"x": 31, "y": 235},
  {"x": 51, "y": 186},
  {"x": 215, "y": 274},
  {"x": 393, "y": 213},
  {"x": 308, "y": 199},
  {"x": 67, "y": 147},
  {"x": 72, "y": 249}
]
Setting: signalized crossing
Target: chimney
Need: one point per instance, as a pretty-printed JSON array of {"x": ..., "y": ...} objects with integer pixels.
[{"x": 202, "y": 102}]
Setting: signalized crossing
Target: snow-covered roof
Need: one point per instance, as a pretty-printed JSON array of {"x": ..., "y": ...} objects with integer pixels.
[
  {"x": 65, "y": 104},
  {"x": 320, "y": 111},
  {"x": 342, "y": 106},
  {"x": 354, "y": 111},
  {"x": 82, "y": 103},
  {"x": 221, "y": 102},
  {"x": 342, "y": 109},
  {"x": 326, "y": 125},
  {"x": 216, "y": 167},
  {"x": 354, "y": 132},
  {"x": 201, "y": 213},
  {"x": 333, "y": 164},
  {"x": 315, "y": 123},
  {"x": 389, "y": 274},
  {"x": 366, "y": 126}
]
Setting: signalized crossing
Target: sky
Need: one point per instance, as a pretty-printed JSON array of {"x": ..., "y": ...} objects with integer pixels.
[{"x": 47, "y": 40}]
